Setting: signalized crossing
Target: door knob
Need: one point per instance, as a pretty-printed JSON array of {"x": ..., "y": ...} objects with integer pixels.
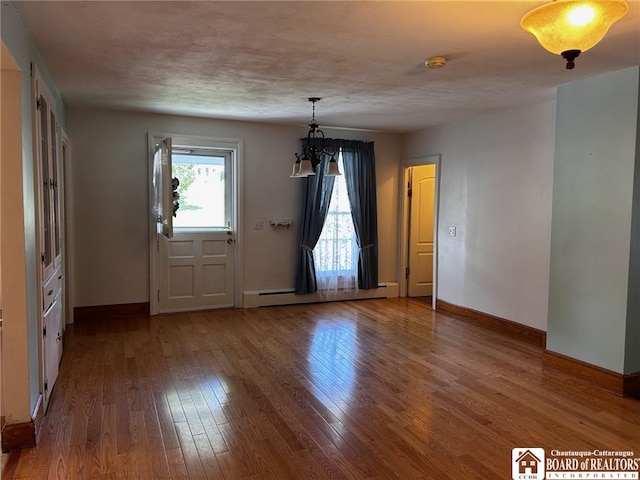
[{"x": 230, "y": 241}]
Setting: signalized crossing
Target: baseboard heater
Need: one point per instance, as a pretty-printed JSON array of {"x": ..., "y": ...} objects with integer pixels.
[{"x": 270, "y": 298}]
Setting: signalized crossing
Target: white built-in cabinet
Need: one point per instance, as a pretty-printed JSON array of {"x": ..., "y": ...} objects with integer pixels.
[{"x": 49, "y": 205}]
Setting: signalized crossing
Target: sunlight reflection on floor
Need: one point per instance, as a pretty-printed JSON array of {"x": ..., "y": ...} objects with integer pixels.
[{"x": 332, "y": 357}]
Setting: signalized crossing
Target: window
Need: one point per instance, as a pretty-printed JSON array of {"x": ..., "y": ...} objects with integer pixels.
[
  {"x": 336, "y": 253},
  {"x": 203, "y": 193}
]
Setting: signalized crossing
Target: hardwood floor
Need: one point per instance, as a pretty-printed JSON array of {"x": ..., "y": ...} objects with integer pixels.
[{"x": 375, "y": 389}]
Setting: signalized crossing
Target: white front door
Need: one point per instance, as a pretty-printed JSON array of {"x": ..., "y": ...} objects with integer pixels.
[
  {"x": 196, "y": 270},
  {"x": 420, "y": 277},
  {"x": 193, "y": 266}
]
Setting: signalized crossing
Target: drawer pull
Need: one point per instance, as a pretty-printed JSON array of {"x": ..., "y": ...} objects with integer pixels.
[{"x": 50, "y": 292}]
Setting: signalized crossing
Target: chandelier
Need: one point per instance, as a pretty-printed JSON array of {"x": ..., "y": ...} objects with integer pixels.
[
  {"x": 570, "y": 27},
  {"x": 307, "y": 162}
]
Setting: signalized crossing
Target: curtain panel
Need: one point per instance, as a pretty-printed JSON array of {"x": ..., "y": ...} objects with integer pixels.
[
  {"x": 360, "y": 177},
  {"x": 316, "y": 195}
]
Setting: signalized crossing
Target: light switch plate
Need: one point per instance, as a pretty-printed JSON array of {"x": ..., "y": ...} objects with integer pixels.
[
  {"x": 452, "y": 231},
  {"x": 259, "y": 225}
]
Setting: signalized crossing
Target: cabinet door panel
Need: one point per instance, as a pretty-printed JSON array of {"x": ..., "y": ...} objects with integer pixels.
[{"x": 52, "y": 345}]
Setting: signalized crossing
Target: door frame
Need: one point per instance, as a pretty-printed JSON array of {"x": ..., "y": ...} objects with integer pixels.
[
  {"x": 236, "y": 146},
  {"x": 67, "y": 222},
  {"x": 405, "y": 221}
]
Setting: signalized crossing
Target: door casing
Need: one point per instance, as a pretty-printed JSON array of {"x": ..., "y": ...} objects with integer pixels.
[{"x": 403, "y": 264}]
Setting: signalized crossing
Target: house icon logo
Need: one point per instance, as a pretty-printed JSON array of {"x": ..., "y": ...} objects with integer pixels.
[{"x": 527, "y": 464}]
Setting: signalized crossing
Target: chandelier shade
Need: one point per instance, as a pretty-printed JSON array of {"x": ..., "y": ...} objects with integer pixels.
[
  {"x": 313, "y": 149},
  {"x": 570, "y": 27}
]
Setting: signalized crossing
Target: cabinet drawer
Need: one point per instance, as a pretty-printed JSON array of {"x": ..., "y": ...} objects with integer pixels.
[{"x": 50, "y": 290}]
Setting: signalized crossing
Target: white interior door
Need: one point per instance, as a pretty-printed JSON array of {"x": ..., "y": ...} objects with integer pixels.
[
  {"x": 196, "y": 270},
  {"x": 420, "y": 278}
]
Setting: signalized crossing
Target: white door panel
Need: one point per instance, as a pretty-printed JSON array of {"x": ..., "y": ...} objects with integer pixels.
[
  {"x": 162, "y": 187},
  {"x": 421, "y": 231},
  {"x": 196, "y": 271},
  {"x": 52, "y": 346}
]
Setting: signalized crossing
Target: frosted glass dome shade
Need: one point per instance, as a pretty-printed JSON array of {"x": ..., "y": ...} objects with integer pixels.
[{"x": 565, "y": 25}]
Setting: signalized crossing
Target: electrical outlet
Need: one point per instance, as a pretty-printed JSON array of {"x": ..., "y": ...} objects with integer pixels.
[
  {"x": 452, "y": 231},
  {"x": 259, "y": 225}
]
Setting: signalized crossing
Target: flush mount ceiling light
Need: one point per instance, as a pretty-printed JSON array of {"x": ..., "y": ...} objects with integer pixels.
[
  {"x": 570, "y": 27},
  {"x": 307, "y": 162},
  {"x": 435, "y": 62}
]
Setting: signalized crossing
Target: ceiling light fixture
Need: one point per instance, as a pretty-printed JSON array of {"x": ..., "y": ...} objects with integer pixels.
[
  {"x": 570, "y": 27},
  {"x": 307, "y": 162},
  {"x": 436, "y": 62}
]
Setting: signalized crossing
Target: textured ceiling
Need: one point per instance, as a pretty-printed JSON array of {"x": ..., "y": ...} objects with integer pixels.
[{"x": 261, "y": 60}]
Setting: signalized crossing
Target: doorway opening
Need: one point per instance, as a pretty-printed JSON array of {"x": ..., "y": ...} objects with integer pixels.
[{"x": 419, "y": 230}]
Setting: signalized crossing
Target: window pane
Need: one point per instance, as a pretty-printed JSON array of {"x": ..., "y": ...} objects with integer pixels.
[
  {"x": 56, "y": 198},
  {"x": 202, "y": 191},
  {"x": 46, "y": 185},
  {"x": 336, "y": 254}
]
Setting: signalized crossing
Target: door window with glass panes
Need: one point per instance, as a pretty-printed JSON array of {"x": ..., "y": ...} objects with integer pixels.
[{"x": 202, "y": 176}]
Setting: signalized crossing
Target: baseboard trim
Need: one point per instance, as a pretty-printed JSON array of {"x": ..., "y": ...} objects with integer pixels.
[
  {"x": 614, "y": 382},
  {"x": 25, "y": 434},
  {"x": 111, "y": 312},
  {"x": 525, "y": 333}
]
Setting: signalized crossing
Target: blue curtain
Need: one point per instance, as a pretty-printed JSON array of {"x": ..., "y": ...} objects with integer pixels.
[
  {"x": 316, "y": 195},
  {"x": 360, "y": 175}
]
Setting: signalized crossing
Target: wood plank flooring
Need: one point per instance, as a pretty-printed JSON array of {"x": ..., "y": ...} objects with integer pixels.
[{"x": 375, "y": 389}]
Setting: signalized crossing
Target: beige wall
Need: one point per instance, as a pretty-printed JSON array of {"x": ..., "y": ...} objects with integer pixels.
[
  {"x": 495, "y": 188},
  {"x": 496, "y": 180},
  {"x": 15, "y": 374},
  {"x": 594, "y": 313},
  {"x": 110, "y": 199}
]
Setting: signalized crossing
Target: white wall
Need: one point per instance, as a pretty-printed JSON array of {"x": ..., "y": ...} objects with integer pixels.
[
  {"x": 495, "y": 188},
  {"x": 110, "y": 198},
  {"x": 595, "y": 165},
  {"x": 632, "y": 352}
]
